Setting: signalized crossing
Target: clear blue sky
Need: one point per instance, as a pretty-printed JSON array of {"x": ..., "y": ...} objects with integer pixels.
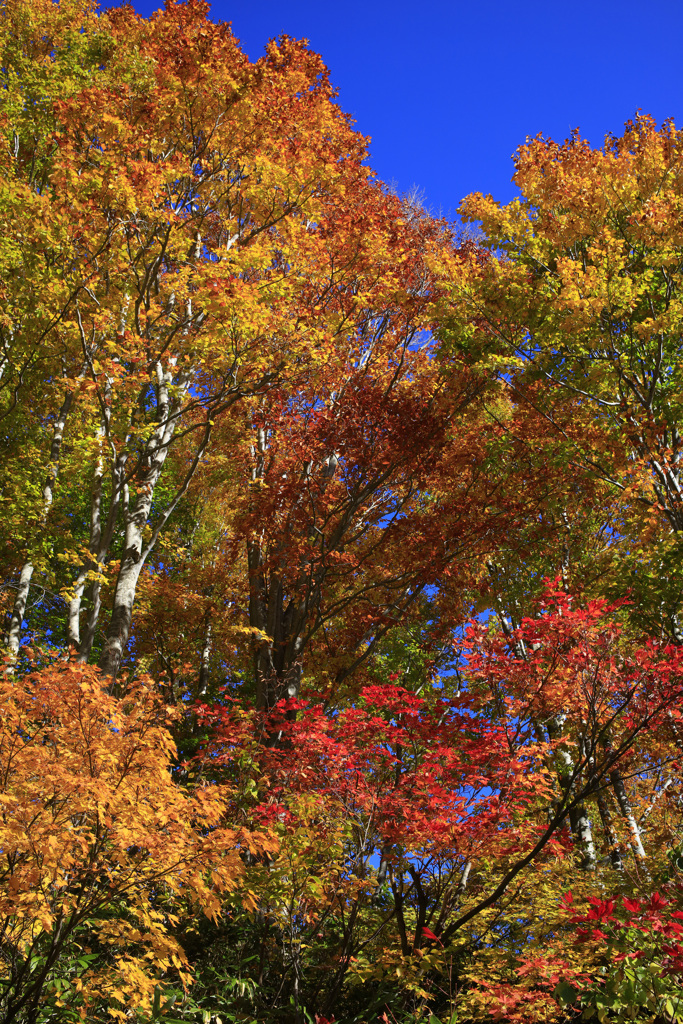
[{"x": 447, "y": 91}]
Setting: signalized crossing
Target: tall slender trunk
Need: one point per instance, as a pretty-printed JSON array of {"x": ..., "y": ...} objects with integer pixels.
[
  {"x": 278, "y": 660},
  {"x": 19, "y": 607},
  {"x": 579, "y": 821},
  {"x": 73, "y": 616},
  {"x": 26, "y": 574},
  {"x": 608, "y": 825},
  {"x": 205, "y": 656},
  {"x": 98, "y": 549},
  {"x": 627, "y": 813},
  {"x": 170, "y": 397},
  {"x": 135, "y": 553},
  {"x": 464, "y": 878},
  {"x": 94, "y": 599}
]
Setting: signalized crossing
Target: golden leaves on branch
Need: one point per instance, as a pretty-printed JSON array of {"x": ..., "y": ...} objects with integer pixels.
[{"x": 102, "y": 844}]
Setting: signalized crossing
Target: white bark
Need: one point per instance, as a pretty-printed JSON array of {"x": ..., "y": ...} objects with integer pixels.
[
  {"x": 205, "y": 658},
  {"x": 26, "y": 574},
  {"x": 100, "y": 542},
  {"x": 74, "y": 611},
  {"x": 134, "y": 554},
  {"x": 19, "y": 608},
  {"x": 170, "y": 398},
  {"x": 627, "y": 813}
]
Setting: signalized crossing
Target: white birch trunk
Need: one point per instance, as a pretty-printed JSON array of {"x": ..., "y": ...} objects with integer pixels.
[
  {"x": 26, "y": 574},
  {"x": 74, "y": 610},
  {"x": 135, "y": 554},
  {"x": 627, "y": 813},
  {"x": 19, "y": 608},
  {"x": 99, "y": 544},
  {"x": 205, "y": 658}
]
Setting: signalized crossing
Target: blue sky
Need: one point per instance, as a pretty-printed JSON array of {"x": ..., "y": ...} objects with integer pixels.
[{"x": 447, "y": 91}]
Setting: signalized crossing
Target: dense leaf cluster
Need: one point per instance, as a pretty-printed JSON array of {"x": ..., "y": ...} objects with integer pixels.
[{"x": 342, "y": 648}]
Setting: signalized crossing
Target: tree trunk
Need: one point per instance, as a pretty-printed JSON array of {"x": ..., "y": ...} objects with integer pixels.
[
  {"x": 627, "y": 813},
  {"x": 135, "y": 554},
  {"x": 98, "y": 547},
  {"x": 19, "y": 608},
  {"x": 26, "y": 574}
]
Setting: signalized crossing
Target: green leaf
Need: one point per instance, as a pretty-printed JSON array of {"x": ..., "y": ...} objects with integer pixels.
[{"x": 565, "y": 992}]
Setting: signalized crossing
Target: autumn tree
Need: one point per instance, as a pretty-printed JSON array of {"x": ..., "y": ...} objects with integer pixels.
[
  {"x": 575, "y": 303},
  {"x": 102, "y": 848},
  {"x": 227, "y": 306},
  {"x": 582, "y": 308},
  {"x": 186, "y": 235},
  {"x": 346, "y": 549}
]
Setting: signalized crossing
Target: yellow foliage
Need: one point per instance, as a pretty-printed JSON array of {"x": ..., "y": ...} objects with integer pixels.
[{"x": 99, "y": 840}]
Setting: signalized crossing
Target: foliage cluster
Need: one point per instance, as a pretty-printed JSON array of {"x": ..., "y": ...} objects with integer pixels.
[{"x": 340, "y": 554}]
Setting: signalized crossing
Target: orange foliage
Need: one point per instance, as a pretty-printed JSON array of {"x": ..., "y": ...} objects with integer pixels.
[{"x": 101, "y": 845}]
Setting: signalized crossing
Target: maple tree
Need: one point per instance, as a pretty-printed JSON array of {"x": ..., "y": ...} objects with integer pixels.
[
  {"x": 101, "y": 846},
  {"x": 576, "y": 307},
  {"x": 342, "y": 672}
]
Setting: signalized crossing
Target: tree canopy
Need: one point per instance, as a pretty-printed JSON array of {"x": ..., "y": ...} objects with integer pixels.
[{"x": 340, "y": 554}]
